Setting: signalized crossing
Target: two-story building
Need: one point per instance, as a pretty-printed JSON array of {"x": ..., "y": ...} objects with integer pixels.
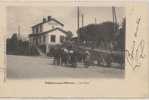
[{"x": 48, "y": 32}]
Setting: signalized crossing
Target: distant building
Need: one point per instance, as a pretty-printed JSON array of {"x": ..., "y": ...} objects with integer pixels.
[{"x": 48, "y": 32}]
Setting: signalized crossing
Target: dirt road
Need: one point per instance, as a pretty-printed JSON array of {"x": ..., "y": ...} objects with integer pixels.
[{"x": 28, "y": 67}]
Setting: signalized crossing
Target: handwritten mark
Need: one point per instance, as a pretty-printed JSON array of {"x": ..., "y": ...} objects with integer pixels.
[
  {"x": 137, "y": 28},
  {"x": 136, "y": 55}
]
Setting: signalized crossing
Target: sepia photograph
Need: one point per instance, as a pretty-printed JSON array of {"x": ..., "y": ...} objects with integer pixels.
[
  {"x": 65, "y": 42},
  {"x": 74, "y": 49}
]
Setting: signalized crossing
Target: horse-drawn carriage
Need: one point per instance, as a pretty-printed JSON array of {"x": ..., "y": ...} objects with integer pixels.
[{"x": 95, "y": 56}]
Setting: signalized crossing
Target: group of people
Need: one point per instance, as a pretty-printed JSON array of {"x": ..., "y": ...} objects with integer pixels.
[{"x": 70, "y": 56}]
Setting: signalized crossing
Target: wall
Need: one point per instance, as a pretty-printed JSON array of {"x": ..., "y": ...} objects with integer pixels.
[
  {"x": 48, "y": 26},
  {"x": 58, "y": 34}
]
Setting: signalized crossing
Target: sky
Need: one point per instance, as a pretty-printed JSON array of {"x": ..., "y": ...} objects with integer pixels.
[{"x": 27, "y": 16}]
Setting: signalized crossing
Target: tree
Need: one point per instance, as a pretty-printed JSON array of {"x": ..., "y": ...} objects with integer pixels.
[
  {"x": 12, "y": 43},
  {"x": 17, "y": 46},
  {"x": 69, "y": 35},
  {"x": 97, "y": 32}
]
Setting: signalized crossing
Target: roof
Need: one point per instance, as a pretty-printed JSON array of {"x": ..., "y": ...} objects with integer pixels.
[
  {"x": 39, "y": 34},
  {"x": 51, "y": 19}
]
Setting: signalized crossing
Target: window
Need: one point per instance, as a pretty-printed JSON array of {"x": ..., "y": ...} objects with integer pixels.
[
  {"x": 36, "y": 41},
  {"x": 40, "y": 39},
  {"x": 40, "y": 28},
  {"x": 36, "y": 29},
  {"x": 53, "y": 38},
  {"x": 62, "y": 38},
  {"x": 44, "y": 39},
  {"x": 33, "y": 29}
]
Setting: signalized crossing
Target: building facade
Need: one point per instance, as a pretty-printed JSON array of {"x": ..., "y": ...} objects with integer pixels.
[{"x": 48, "y": 32}]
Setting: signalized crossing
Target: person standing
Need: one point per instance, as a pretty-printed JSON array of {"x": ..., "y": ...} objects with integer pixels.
[
  {"x": 64, "y": 58},
  {"x": 58, "y": 56},
  {"x": 73, "y": 58},
  {"x": 87, "y": 59}
]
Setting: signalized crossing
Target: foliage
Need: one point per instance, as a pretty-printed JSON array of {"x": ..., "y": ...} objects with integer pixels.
[
  {"x": 97, "y": 32},
  {"x": 69, "y": 35},
  {"x": 17, "y": 46},
  {"x": 104, "y": 34}
]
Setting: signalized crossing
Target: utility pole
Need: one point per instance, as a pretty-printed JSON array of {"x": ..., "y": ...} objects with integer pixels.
[
  {"x": 78, "y": 17},
  {"x": 19, "y": 35},
  {"x": 114, "y": 18},
  {"x": 78, "y": 21},
  {"x": 18, "y": 38},
  {"x": 82, "y": 20},
  {"x": 95, "y": 20}
]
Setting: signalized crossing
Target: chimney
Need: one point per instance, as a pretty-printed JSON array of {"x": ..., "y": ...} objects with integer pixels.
[
  {"x": 44, "y": 20},
  {"x": 49, "y": 18}
]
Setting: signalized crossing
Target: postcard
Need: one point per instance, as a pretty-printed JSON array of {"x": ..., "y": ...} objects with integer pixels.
[{"x": 74, "y": 49}]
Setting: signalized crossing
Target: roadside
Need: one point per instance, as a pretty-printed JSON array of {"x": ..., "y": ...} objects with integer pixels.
[{"x": 31, "y": 67}]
